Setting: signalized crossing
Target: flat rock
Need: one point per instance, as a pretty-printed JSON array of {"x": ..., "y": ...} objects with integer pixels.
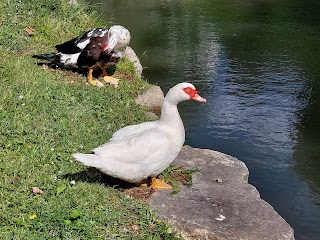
[{"x": 220, "y": 204}]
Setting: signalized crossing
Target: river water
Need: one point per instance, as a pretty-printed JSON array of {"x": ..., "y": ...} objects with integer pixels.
[{"x": 258, "y": 65}]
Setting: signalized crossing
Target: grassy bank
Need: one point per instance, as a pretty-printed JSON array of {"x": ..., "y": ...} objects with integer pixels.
[{"x": 45, "y": 116}]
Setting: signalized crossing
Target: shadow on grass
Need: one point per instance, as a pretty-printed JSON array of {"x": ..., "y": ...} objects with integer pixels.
[
  {"x": 83, "y": 71},
  {"x": 92, "y": 175},
  {"x": 55, "y": 67}
]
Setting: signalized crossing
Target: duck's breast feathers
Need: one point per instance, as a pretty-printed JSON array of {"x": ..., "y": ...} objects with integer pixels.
[
  {"x": 91, "y": 53},
  {"x": 140, "y": 148}
]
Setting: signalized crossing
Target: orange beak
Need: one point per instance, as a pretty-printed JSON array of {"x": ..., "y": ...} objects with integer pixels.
[{"x": 198, "y": 98}]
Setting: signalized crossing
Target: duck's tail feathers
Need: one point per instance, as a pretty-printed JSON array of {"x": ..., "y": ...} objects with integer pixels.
[
  {"x": 51, "y": 57},
  {"x": 90, "y": 160}
]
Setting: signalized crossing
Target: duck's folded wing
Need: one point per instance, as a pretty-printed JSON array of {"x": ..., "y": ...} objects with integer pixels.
[
  {"x": 129, "y": 131},
  {"x": 138, "y": 148},
  {"x": 77, "y": 44}
]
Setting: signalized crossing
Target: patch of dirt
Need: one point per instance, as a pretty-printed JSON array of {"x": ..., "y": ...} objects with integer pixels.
[
  {"x": 139, "y": 193},
  {"x": 181, "y": 178}
]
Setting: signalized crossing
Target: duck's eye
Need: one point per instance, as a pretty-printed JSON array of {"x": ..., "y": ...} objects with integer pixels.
[{"x": 187, "y": 90}]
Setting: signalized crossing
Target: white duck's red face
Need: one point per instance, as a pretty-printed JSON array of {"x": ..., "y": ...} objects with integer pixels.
[
  {"x": 192, "y": 92},
  {"x": 182, "y": 92}
]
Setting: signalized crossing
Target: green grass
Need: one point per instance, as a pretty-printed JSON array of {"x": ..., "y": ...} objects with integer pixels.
[
  {"x": 45, "y": 116},
  {"x": 175, "y": 175}
]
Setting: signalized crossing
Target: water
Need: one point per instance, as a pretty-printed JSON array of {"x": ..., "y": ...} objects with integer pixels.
[{"x": 258, "y": 65}]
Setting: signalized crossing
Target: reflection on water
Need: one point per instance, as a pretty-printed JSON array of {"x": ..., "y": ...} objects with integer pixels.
[{"x": 257, "y": 63}]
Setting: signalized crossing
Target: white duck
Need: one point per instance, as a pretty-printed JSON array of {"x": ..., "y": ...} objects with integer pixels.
[{"x": 137, "y": 152}]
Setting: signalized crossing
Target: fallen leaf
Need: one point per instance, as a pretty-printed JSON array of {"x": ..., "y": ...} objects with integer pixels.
[
  {"x": 135, "y": 228},
  {"x": 37, "y": 190},
  {"x": 17, "y": 177},
  {"x": 75, "y": 214},
  {"x": 33, "y": 216},
  {"x": 30, "y": 30},
  {"x": 44, "y": 67},
  {"x": 60, "y": 189},
  {"x": 67, "y": 222}
]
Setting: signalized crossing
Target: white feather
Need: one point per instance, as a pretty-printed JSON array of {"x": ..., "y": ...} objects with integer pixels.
[
  {"x": 68, "y": 60},
  {"x": 83, "y": 44}
]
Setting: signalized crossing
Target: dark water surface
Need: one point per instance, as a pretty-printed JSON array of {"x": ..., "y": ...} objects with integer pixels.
[{"x": 258, "y": 65}]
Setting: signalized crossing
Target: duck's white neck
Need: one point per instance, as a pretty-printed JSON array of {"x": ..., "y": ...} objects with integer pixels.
[{"x": 170, "y": 116}]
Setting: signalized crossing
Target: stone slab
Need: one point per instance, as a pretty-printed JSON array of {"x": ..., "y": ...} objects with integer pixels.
[{"x": 220, "y": 204}]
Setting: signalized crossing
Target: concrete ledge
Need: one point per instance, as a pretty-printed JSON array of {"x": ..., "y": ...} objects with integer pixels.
[{"x": 220, "y": 204}]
